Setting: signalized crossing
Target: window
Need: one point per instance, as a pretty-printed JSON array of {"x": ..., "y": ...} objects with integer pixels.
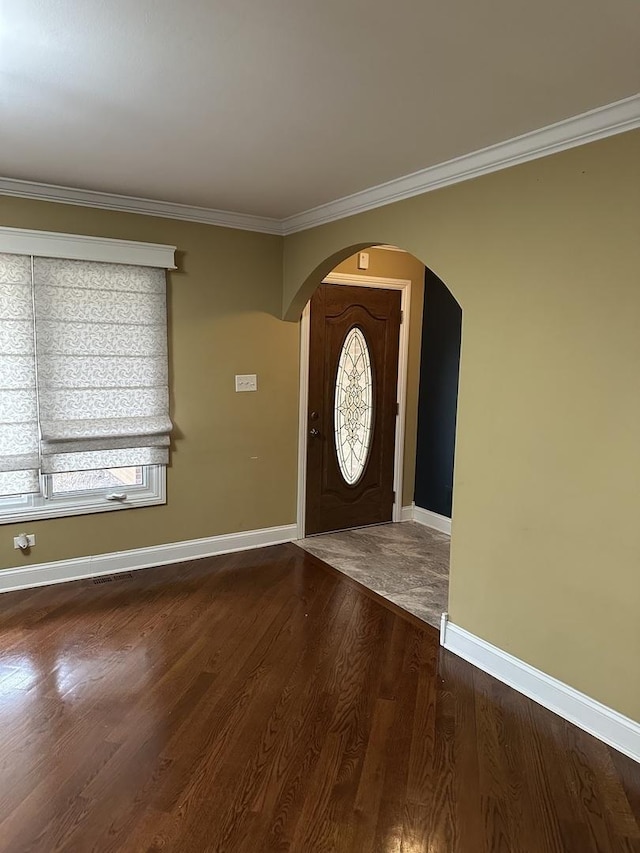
[
  {"x": 84, "y": 412},
  {"x": 353, "y": 406}
]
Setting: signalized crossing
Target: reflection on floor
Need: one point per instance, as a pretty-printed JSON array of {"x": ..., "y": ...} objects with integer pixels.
[{"x": 406, "y": 562}]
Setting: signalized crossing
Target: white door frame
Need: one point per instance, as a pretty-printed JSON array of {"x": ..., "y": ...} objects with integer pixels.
[{"x": 404, "y": 286}]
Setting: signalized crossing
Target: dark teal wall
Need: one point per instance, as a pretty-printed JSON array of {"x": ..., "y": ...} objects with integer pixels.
[{"x": 438, "y": 397}]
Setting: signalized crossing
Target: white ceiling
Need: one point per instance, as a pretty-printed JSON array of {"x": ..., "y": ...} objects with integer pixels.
[{"x": 271, "y": 108}]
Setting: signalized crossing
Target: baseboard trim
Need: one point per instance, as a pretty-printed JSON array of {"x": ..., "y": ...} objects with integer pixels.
[
  {"x": 591, "y": 716},
  {"x": 427, "y": 518},
  {"x": 406, "y": 513},
  {"x": 61, "y": 571}
]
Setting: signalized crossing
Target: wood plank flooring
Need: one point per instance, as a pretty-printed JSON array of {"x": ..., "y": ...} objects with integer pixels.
[{"x": 263, "y": 702}]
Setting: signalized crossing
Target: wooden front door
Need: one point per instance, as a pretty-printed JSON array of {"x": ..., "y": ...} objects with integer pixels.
[{"x": 351, "y": 418}]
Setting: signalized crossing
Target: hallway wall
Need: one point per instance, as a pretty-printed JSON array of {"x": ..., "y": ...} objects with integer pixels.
[{"x": 544, "y": 259}]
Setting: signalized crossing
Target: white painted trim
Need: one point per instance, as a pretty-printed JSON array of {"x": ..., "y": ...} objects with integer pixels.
[
  {"x": 596, "y": 124},
  {"x": 388, "y": 248},
  {"x": 302, "y": 418},
  {"x": 608, "y": 120},
  {"x": 404, "y": 286},
  {"x": 597, "y": 719},
  {"x": 28, "y": 508},
  {"x": 144, "y": 206},
  {"x": 444, "y": 621},
  {"x": 77, "y": 247},
  {"x": 426, "y": 517},
  {"x": 42, "y": 574},
  {"x": 406, "y": 514},
  {"x": 432, "y": 519}
]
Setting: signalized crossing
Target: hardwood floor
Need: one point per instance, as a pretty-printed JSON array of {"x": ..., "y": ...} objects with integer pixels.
[{"x": 262, "y": 702}]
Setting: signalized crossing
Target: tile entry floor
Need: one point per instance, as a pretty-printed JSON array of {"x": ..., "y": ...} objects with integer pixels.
[{"x": 405, "y": 562}]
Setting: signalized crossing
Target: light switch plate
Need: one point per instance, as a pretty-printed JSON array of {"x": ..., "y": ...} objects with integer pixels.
[{"x": 246, "y": 382}]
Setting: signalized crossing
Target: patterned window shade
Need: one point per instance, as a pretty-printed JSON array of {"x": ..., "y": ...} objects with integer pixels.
[
  {"x": 101, "y": 350},
  {"x": 19, "y": 456}
]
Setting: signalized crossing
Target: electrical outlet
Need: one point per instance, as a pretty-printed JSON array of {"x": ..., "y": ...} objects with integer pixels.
[{"x": 19, "y": 541}]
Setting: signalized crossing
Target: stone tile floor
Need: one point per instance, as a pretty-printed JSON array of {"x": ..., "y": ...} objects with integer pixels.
[{"x": 406, "y": 562}]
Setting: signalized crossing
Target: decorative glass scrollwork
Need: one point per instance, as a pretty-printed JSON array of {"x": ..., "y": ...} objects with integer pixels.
[{"x": 353, "y": 406}]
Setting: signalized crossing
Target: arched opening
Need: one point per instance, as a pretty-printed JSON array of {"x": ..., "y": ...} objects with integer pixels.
[{"x": 422, "y": 433}]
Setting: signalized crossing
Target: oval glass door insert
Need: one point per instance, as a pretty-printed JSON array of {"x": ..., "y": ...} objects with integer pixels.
[{"x": 353, "y": 406}]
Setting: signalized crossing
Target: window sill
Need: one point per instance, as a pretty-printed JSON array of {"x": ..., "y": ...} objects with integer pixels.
[{"x": 152, "y": 494}]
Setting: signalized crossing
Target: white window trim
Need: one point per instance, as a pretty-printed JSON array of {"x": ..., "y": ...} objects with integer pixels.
[
  {"x": 37, "y": 507},
  {"x": 78, "y": 247}
]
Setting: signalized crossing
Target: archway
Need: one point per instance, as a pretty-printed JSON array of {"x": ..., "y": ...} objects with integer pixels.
[
  {"x": 392, "y": 266},
  {"x": 293, "y": 307}
]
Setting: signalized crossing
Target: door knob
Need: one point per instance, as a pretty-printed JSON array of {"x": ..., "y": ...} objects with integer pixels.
[{"x": 314, "y": 432}]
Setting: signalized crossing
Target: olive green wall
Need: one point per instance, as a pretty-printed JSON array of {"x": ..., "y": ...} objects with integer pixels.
[
  {"x": 386, "y": 264},
  {"x": 544, "y": 259},
  {"x": 224, "y": 309}
]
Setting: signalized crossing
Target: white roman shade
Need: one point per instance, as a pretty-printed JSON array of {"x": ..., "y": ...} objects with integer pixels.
[
  {"x": 83, "y": 355},
  {"x": 19, "y": 451},
  {"x": 101, "y": 348}
]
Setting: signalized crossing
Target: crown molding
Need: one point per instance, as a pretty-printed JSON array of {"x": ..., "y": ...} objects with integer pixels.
[
  {"x": 145, "y": 206},
  {"x": 600, "y": 123},
  {"x": 596, "y": 124}
]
